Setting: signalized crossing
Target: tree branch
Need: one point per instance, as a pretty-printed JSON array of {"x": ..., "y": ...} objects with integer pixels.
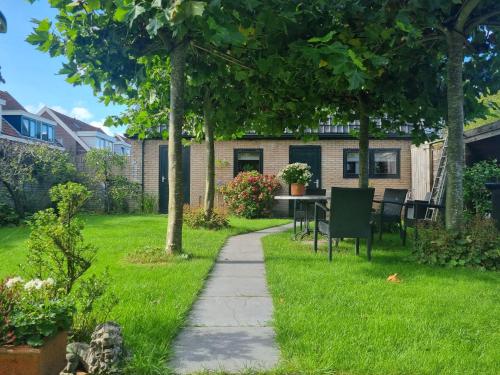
[
  {"x": 476, "y": 21},
  {"x": 464, "y": 13},
  {"x": 222, "y": 56}
]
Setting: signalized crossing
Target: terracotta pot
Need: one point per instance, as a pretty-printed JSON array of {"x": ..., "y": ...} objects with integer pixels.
[
  {"x": 297, "y": 189},
  {"x": 49, "y": 359}
]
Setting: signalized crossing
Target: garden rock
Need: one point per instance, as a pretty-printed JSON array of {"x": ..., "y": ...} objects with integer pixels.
[{"x": 102, "y": 356}]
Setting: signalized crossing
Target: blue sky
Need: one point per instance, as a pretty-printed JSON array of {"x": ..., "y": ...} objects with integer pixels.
[{"x": 31, "y": 76}]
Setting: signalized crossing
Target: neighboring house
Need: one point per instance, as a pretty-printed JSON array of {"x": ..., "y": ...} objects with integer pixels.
[
  {"x": 19, "y": 125},
  {"x": 78, "y": 137},
  {"x": 333, "y": 158}
]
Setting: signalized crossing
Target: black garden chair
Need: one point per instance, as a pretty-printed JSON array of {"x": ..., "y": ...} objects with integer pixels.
[
  {"x": 301, "y": 208},
  {"x": 349, "y": 216},
  {"x": 415, "y": 212},
  {"x": 390, "y": 209}
]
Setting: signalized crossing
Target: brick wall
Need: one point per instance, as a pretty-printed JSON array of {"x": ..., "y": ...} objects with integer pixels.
[{"x": 276, "y": 156}]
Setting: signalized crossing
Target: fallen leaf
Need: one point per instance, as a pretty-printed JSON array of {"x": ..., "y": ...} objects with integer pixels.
[{"x": 394, "y": 278}]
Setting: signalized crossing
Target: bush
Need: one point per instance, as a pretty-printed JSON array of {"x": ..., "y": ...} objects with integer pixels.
[
  {"x": 477, "y": 246},
  {"x": 477, "y": 197},
  {"x": 296, "y": 173},
  {"x": 149, "y": 203},
  {"x": 32, "y": 311},
  {"x": 196, "y": 218},
  {"x": 8, "y": 216},
  {"x": 122, "y": 191},
  {"x": 251, "y": 194},
  {"x": 56, "y": 247}
]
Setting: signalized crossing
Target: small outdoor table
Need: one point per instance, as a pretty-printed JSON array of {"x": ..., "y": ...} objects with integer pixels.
[{"x": 303, "y": 198}]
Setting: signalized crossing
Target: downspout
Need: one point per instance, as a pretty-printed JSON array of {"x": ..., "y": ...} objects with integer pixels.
[{"x": 142, "y": 175}]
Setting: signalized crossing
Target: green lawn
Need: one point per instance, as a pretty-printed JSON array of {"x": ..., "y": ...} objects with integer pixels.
[
  {"x": 154, "y": 299},
  {"x": 345, "y": 318}
]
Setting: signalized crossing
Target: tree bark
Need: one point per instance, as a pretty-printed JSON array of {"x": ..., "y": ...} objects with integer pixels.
[
  {"x": 456, "y": 152},
  {"x": 364, "y": 142},
  {"x": 208, "y": 129},
  {"x": 176, "y": 120}
]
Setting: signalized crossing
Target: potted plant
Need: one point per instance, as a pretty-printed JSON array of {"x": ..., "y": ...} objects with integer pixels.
[
  {"x": 297, "y": 175},
  {"x": 35, "y": 316}
]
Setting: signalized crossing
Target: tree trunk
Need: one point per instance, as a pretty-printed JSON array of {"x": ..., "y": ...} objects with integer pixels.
[
  {"x": 455, "y": 161},
  {"x": 17, "y": 200},
  {"x": 208, "y": 129},
  {"x": 364, "y": 142},
  {"x": 176, "y": 120}
]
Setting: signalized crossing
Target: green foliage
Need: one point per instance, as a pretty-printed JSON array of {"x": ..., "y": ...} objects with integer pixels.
[
  {"x": 21, "y": 164},
  {"x": 477, "y": 198},
  {"x": 477, "y": 246},
  {"x": 56, "y": 245},
  {"x": 251, "y": 194},
  {"x": 195, "y": 217},
  {"x": 93, "y": 304},
  {"x": 149, "y": 203},
  {"x": 104, "y": 167},
  {"x": 32, "y": 311},
  {"x": 8, "y": 216},
  {"x": 492, "y": 103},
  {"x": 149, "y": 255},
  {"x": 296, "y": 173}
]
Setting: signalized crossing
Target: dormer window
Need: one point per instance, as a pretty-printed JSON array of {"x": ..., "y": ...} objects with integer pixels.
[{"x": 37, "y": 129}]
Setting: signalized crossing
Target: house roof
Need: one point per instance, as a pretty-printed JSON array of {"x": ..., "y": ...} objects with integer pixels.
[
  {"x": 122, "y": 138},
  {"x": 9, "y": 130},
  {"x": 73, "y": 123},
  {"x": 11, "y": 104}
]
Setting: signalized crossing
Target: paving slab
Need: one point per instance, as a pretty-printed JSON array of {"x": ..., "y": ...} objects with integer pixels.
[
  {"x": 228, "y": 328},
  {"x": 229, "y": 349}
]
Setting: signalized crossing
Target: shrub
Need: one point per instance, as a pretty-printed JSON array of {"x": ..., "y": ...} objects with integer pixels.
[
  {"x": 477, "y": 197},
  {"x": 8, "y": 216},
  {"x": 32, "y": 311},
  {"x": 296, "y": 173},
  {"x": 477, "y": 246},
  {"x": 196, "y": 218},
  {"x": 251, "y": 194},
  {"x": 93, "y": 305},
  {"x": 149, "y": 203},
  {"x": 56, "y": 246},
  {"x": 122, "y": 191}
]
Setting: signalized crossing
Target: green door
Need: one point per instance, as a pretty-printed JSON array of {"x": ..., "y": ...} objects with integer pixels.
[{"x": 163, "y": 177}]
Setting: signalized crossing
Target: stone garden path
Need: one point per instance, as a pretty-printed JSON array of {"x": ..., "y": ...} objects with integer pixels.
[{"x": 228, "y": 328}]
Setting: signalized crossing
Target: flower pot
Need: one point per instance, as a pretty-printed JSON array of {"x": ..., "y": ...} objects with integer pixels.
[
  {"x": 297, "y": 189},
  {"x": 48, "y": 359}
]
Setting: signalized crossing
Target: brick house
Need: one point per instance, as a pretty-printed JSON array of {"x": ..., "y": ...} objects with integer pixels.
[{"x": 333, "y": 159}]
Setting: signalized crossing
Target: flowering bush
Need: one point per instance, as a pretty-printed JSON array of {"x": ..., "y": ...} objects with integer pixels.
[
  {"x": 296, "y": 173},
  {"x": 250, "y": 194},
  {"x": 31, "y": 311}
]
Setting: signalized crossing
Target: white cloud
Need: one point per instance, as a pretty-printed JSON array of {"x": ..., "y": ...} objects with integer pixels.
[
  {"x": 106, "y": 129},
  {"x": 34, "y": 108},
  {"x": 81, "y": 113},
  {"x": 59, "y": 109}
]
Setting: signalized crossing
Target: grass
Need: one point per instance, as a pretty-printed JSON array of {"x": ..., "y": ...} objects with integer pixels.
[
  {"x": 153, "y": 299},
  {"x": 344, "y": 317}
]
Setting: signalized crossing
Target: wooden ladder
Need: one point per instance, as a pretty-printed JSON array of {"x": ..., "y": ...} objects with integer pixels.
[{"x": 439, "y": 184}]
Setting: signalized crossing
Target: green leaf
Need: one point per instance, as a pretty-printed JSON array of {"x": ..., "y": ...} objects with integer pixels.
[
  {"x": 121, "y": 14},
  {"x": 156, "y": 4},
  {"x": 355, "y": 59},
  {"x": 356, "y": 80},
  {"x": 44, "y": 25},
  {"x": 92, "y": 5},
  {"x": 155, "y": 24},
  {"x": 321, "y": 39},
  {"x": 195, "y": 8}
]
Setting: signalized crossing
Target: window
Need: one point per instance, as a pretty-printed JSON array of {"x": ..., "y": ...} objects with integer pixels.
[
  {"x": 34, "y": 130},
  {"x": 383, "y": 163},
  {"x": 44, "y": 132},
  {"x": 102, "y": 143},
  {"x": 25, "y": 126},
  {"x": 248, "y": 160},
  {"x": 351, "y": 163},
  {"x": 51, "y": 133}
]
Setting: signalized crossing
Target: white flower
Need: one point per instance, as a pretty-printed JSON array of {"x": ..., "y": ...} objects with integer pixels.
[
  {"x": 33, "y": 284},
  {"x": 13, "y": 281},
  {"x": 50, "y": 282}
]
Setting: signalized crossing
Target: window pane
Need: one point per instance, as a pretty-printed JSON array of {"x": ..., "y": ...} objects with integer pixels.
[
  {"x": 248, "y": 161},
  {"x": 25, "y": 127},
  {"x": 352, "y": 163},
  {"x": 45, "y": 132},
  {"x": 385, "y": 162},
  {"x": 33, "y": 129},
  {"x": 51, "y": 133}
]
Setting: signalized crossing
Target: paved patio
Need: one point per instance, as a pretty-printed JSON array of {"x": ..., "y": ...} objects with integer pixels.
[{"x": 228, "y": 328}]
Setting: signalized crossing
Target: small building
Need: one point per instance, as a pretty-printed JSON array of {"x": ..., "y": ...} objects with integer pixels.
[
  {"x": 482, "y": 143},
  {"x": 333, "y": 158}
]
